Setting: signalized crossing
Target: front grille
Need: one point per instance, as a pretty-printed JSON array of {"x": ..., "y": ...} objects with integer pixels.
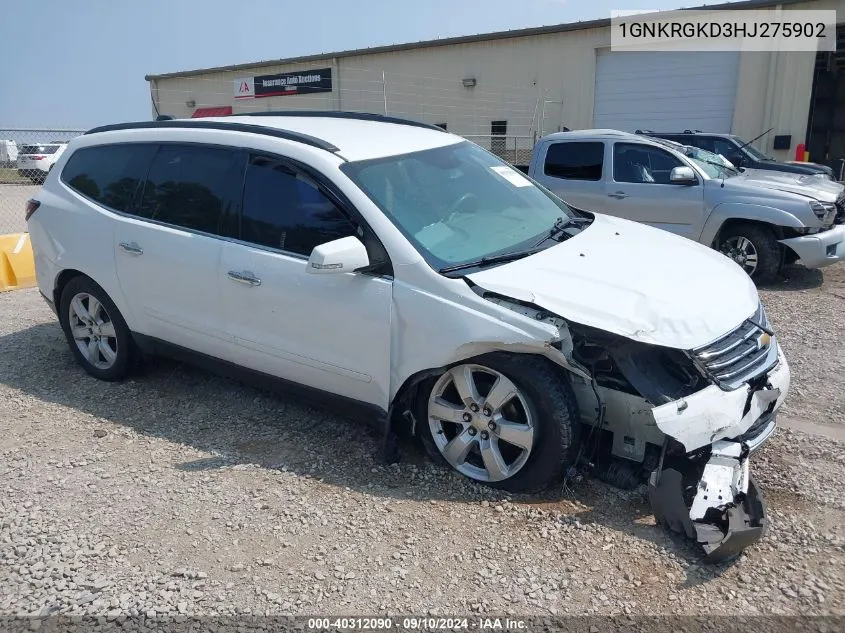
[
  {"x": 739, "y": 355},
  {"x": 840, "y": 210}
]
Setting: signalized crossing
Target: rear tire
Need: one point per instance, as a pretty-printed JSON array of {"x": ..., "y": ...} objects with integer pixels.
[
  {"x": 753, "y": 247},
  {"x": 516, "y": 427},
  {"x": 98, "y": 336}
]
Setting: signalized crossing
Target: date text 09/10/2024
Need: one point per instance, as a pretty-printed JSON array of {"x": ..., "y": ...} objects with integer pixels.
[{"x": 416, "y": 624}]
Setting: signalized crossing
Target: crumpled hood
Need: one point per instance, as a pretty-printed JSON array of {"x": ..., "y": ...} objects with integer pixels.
[
  {"x": 801, "y": 184},
  {"x": 633, "y": 280}
]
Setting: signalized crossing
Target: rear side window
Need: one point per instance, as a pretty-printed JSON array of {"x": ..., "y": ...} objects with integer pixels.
[
  {"x": 283, "y": 209},
  {"x": 108, "y": 174},
  {"x": 39, "y": 149},
  {"x": 191, "y": 186},
  {"x": 575, "y": 160}
]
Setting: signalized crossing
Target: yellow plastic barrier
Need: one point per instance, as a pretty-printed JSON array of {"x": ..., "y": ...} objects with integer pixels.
[{"x": 17, "y": 265}]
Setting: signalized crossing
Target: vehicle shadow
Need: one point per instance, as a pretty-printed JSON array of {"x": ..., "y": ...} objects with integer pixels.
[
  {"x": 795, "y": 278},
  {"x": 237, "y": 424}
]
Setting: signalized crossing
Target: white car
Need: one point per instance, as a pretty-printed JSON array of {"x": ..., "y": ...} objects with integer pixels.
[
  {"x": 35, "y": 161},
  {"x": 404, "y": 273}
]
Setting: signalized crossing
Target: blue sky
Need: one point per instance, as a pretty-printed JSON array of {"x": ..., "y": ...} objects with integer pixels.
[{"x": 81, "y": 63}]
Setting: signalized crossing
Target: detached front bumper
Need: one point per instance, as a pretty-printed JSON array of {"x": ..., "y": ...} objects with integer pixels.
[
  {"x": 709, "y": 494},
  {"x": 821, "y": 249}
]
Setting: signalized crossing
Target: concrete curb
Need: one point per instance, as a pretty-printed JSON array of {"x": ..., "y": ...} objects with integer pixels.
[{"x": 17, "y": 264}]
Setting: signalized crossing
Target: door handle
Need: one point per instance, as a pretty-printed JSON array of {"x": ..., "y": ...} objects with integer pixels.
[
  {"x": 132, "y": 248},
  {"x": 245, "y": 277},
  {"x": 619, "y": 195}
]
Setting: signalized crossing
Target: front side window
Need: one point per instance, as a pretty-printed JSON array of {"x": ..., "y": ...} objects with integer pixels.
[
  {"x": 458, "y": 203},
  {"x": 283, "y": 209},
  {"x": 575, "y": 160},
  {"x": 752, "y": 151},
  {"x": 191, "y": 186},
  {"x": 109, "y": 174},
  {"x": 636, "y": 163}
]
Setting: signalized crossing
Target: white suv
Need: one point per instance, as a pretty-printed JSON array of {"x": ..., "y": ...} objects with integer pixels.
[
  {"x": 408, "y": 275},
  {"x": 36, "y": 161}
]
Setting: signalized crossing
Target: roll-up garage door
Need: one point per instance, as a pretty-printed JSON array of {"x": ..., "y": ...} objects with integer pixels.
[{"x": 665, "y": 91}]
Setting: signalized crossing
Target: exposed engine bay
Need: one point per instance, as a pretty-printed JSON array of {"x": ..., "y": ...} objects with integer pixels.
[{"x": 684, "y": 422}]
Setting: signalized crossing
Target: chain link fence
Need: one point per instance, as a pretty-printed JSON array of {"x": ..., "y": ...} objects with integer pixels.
[
  {"x": 26, "y": 156},
  {"x": 506, "y": 120}
]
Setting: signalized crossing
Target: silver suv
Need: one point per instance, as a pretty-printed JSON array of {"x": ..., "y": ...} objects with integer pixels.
[{"x": 761, "y": 220}]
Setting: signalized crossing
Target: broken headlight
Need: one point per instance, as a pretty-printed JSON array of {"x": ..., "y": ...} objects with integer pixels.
[{"x": 658, "y": 374}]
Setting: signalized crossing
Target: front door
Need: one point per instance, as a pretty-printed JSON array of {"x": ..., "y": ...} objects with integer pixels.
[
  {"x": 330, "y": 332},
  {"x": 639, "y": 190}
]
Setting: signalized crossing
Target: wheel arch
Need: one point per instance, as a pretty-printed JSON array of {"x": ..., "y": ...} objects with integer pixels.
[
  {"x": 406, "y": 397},
  {"x": 731, "y": 223},
  {"x": 730, "y": 214},
  {"x": 62, "y": 280}
]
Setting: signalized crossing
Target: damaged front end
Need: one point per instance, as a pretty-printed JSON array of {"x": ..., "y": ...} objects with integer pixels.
[
  {"x": 686, "y": 421},
  {"x": 713, "y": 500}
]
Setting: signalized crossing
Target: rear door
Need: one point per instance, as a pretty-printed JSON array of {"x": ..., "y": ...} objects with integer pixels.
[
  {"x": 574, "y": 171},
  {"x": 167, "y": 250},
  {"x": 639, "y": 190}
]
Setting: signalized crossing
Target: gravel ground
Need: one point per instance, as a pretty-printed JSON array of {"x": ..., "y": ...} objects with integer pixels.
[
  {"x": 178, "y": 492},
  {"x": 808, "y": 313}
]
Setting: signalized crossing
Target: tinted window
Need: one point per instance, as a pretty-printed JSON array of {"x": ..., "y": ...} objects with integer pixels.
[
  {"x": 191, "y": 186},
  {"x": 726, "y": 148},
  {"x": 575, "y": 161},
  {"x": 39, "y": 149},
  {"x": 108, "y": 174},
  {"x": 702, "y": 142},
  {"x": 633, "y": 162},
  {"x": 283, "y": 209}
]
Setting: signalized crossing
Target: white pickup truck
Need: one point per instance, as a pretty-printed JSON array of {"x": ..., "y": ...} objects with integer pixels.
[{"x": 762, "y": 220}]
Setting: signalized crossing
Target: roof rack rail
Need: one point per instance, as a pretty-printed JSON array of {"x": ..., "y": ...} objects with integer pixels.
[
  {"x": 644, "y": 132},
  {"x": 692, "y": 131},
  {"x": 343, "y": 114},
  {"x": 306, "y": 139}
]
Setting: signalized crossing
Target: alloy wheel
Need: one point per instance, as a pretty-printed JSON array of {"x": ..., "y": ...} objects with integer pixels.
[
  {"x": 742, "y": 251},
  {"x": 92, "y": 330},
  {"x": 481, "y": 423}
]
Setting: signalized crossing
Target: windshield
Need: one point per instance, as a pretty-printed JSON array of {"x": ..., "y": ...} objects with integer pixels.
[
  {"x": 714, "y": 165},
  {"x": 755, "y": 153},
  {"x": 459, "y": 203}
]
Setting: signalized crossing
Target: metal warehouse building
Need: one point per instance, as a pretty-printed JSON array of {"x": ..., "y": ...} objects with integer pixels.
[{"x": 506, "y": 89}]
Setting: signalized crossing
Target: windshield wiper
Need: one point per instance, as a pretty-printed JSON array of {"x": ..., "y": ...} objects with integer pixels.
[
  {"x": 560, "y": 225},
  {"x": 491, "y": 259}
]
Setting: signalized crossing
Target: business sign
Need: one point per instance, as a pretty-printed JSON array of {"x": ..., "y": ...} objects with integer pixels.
[
  {"x": 304, "y": 82},
  {"x": 244, "y": 88}
]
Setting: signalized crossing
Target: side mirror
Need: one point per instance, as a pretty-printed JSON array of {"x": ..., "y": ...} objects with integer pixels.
[
  {"x": 345, "y": 255},
  {"x": 737, "y": 159},
  {"x": 682, "y": 176}
]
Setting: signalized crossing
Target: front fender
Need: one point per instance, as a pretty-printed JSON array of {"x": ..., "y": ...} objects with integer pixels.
[{"x": 744, "y": 211}]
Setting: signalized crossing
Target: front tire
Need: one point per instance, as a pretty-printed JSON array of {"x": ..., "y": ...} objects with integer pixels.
[
  {"x": 508, "y": 421},
  {"x": 98, "y": 336},
  {"x": 754, "y": 248}
]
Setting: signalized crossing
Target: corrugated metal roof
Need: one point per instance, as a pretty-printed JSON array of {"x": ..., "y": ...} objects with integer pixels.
[{"x": 450, "y": 41}]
